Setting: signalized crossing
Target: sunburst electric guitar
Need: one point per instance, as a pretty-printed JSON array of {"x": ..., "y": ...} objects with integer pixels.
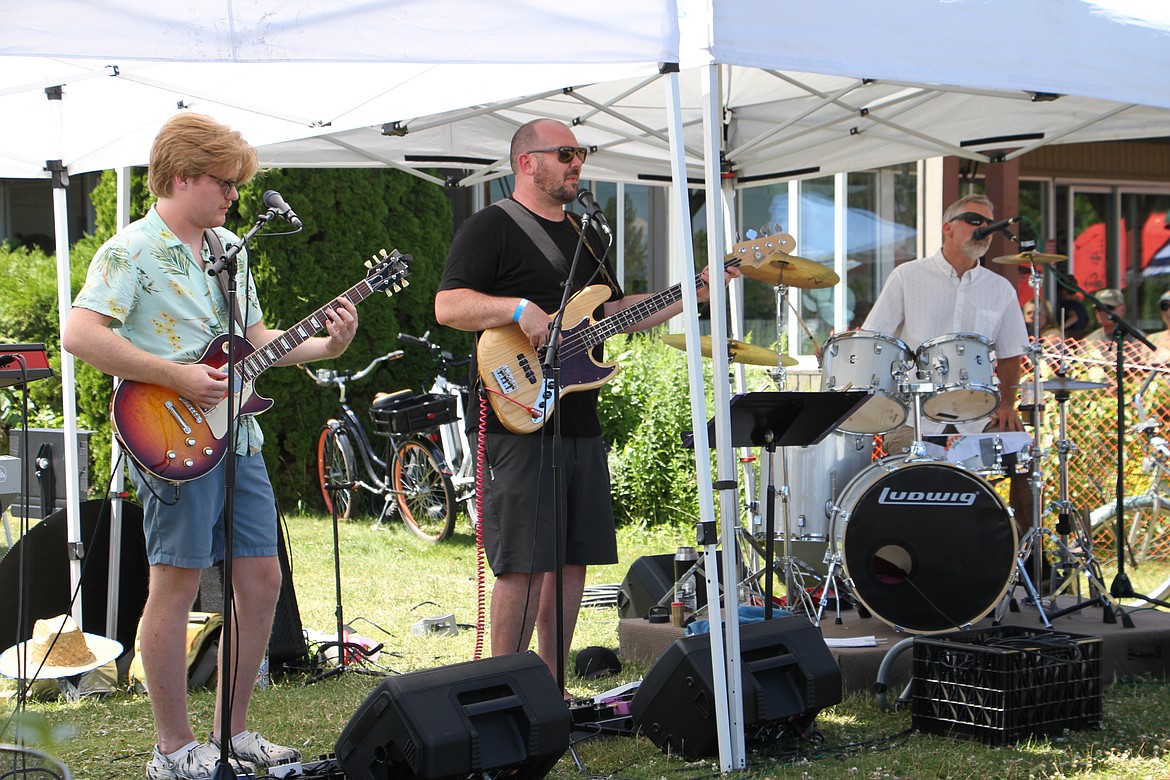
[
  {"x": 520, "y": 394},
  {"x": 178, "y": 440}
]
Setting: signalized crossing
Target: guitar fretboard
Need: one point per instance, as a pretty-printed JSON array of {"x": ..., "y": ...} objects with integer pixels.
[
  {"x": 631, "y": 315},
  {"x": 266, "y": 356}
]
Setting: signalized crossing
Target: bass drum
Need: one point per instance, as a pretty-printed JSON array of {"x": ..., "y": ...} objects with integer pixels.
[{"x": 925, "y": 545}]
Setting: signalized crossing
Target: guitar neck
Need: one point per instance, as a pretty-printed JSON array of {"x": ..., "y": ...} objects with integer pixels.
[
  {"x": 266, "y": 356},
  {"x": 647, "y": 307}
]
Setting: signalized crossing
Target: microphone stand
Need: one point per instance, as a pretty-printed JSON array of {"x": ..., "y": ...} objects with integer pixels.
[
  {"x": 551, "y": 367},
  {"x": 227, "y": 262}
]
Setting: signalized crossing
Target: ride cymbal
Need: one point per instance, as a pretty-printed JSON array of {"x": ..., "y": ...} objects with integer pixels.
[
  {"x": 737, "y": 351},
  {"x": 779, "y": 268},
  {"x": 1028, "y": 258}
]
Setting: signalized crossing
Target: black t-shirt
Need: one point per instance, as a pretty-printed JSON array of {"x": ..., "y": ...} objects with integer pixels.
[{"x": 493, "y": 255}]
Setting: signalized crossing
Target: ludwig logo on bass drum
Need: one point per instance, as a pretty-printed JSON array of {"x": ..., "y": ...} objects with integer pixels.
[{"x": 926, "y": 498}]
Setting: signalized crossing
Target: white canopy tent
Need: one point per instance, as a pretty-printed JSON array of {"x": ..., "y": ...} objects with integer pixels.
[{"x": 769, "y": 90}]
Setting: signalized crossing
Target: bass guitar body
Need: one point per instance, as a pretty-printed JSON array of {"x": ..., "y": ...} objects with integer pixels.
[
  {"x": 172, "y": 437},
  {"x": 511, "y": 370}
]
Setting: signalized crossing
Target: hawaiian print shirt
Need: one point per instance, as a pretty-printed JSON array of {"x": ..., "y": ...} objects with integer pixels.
[{"x": 162, "y": 299}]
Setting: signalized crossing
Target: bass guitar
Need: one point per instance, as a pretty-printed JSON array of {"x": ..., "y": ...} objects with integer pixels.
[
  {"x": 519, "y": 392},
  {"x": 178, "y": 440}
]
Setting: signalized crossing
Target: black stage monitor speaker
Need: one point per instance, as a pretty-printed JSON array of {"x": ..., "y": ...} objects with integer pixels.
[
  {"x": 46, "y": 546},
  {"x": 649, "y": 579},
  {"x": 501, "y": 713},
  {"x": 789, "y": 675}
]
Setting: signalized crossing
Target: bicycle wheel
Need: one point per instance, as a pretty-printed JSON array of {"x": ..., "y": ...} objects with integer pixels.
[
  {"x": 425, "y": 494},
  {"x": 335, "y": 465},
  {"x": 1147, "y": 529}
]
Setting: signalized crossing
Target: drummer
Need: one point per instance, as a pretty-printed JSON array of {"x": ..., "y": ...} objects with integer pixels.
[{"x": 950, "y": 292}]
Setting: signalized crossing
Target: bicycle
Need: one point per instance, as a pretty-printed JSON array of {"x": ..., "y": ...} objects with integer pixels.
[
  {"x": 456, "y": 447},
  {"x": 1147, "y": 537},
  {"x": 409, "y": 475}
]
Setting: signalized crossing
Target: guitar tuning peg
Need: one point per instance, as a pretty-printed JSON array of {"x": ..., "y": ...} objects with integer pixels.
[
  {"x": 406, "y": 283},
  {"x": 395, "y": 288},
  {"x": 368, "y": 264}
]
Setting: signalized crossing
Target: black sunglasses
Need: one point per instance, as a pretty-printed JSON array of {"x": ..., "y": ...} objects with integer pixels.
[
  {"x": 564, "y": 153},
  {"x": 1164, "y": 305},
  {"x": 973, "y": 219}
]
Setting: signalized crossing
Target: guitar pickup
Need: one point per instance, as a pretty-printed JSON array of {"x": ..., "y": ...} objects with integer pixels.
[
  {"x": 529, "y": 374},
  {"x": 505, "y": 380},
  {"x": 170, "y": 407}
]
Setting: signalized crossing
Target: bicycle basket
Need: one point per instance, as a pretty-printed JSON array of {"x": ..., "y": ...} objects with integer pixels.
[{"x": 397, "y": 416}]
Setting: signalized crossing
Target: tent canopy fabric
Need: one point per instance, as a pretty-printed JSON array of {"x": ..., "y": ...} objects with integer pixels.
[
  {"x": 808, "y": 89},
  {"x": 279, "y": 71}
]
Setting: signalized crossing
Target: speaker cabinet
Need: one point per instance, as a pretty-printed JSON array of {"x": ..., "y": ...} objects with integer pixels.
[
  {"x": 788, "y": 676},
  {"x": 456, "y": 721},
  {"x": 649, "y": 579}
]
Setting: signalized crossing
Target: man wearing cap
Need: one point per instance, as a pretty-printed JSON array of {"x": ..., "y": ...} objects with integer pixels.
[{"x": 1113, "y": 301}]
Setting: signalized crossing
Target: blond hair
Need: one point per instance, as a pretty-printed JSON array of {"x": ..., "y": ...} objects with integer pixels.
[{"x": 194, "y": 144}]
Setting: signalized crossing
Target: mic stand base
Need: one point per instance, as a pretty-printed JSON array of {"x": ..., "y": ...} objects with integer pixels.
[{"x": 342, "y": 649}]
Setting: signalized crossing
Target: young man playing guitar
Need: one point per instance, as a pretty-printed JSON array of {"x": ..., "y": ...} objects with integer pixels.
[
  {"x": 497, "y": 275},
  {"x": 146, "y": 313}
]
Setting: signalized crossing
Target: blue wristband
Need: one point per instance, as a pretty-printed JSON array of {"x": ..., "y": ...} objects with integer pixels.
[{"x": 519, "y": 309}]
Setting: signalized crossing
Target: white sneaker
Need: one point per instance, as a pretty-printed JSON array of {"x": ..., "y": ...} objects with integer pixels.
[
  {"x": 251, "y": 747},
  {"x": 198, "y": 763}
]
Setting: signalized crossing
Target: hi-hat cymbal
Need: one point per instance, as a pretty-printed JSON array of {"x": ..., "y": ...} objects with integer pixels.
[
  {"x": 737, "y": 351},
  {"x": 1063, "y": 384},
  {"x": 1027, "y": 258},
  {"x": 779, "y": 268}
]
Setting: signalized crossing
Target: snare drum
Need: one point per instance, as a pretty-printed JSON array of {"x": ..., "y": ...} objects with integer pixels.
[
  {"x": 865, "y": 360},
  {"x": 993, "y": 454},
  {"x": 959, "y": 367},
  {"x": 817, "y": 475},
  {"x": 926, "y": 546}
]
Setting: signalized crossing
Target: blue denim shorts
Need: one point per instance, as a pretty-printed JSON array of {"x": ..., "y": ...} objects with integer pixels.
[{"x": 184, "y": 523}]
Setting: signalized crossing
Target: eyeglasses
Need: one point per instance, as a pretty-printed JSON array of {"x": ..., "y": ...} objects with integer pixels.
[
  {"x": 227, "y": 184},
  {"x": 973, "y": 219},
  {"x": 564, "y": 153},
  {"x": 1164, "y": 305}
]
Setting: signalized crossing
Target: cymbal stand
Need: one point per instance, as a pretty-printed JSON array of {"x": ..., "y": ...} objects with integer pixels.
[
  {"x": 1068, "y": 565},
  {"x": 780, "y": 373}
]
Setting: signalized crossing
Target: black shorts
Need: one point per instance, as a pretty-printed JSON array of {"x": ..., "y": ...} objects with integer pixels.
[{"x": 518, "y": 503}]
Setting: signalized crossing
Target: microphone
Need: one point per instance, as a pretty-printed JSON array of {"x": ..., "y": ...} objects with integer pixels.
[
  {"x": 593, "y": 211},
  {"x": 274, "y": 202},
  {"x": 994, "y": 227}
]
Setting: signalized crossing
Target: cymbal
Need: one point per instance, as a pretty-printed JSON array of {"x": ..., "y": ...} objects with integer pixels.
[
  {"x": 737, "y": 351},
  {"x": 779, "y": 268},
  {"x": 1027, "y": 258},
  {"x": 1063, "y": 384}
]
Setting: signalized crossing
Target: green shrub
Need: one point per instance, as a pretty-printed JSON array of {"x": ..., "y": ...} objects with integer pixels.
[{"x": 644, "y": 412}]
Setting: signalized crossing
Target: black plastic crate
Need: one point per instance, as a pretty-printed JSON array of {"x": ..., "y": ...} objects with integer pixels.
[
  {"x": 413, "y": 414},
  {"x": 1000, "y": 685}
]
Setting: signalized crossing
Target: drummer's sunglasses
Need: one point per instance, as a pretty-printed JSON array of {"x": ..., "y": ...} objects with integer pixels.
[
  {"x": 971, "y": 218},
  {"x": 564, "y": 153}
]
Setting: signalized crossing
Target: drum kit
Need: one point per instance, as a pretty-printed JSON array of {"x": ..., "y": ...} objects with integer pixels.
[{"x": 920, "y": 539}]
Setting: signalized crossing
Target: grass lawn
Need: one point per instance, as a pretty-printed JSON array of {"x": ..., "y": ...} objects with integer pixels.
[{"x": 390, "y": 581}]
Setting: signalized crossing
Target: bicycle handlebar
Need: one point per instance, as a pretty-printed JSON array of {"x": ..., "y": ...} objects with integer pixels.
[
  {"x": 328, "y": 377},
  {"x": 442, "y": 356}
]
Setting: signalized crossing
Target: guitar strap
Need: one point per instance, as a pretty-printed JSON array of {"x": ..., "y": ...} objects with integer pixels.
[
  {"x": 216, "y": 247},
  {"x": 529, "y": 224}
]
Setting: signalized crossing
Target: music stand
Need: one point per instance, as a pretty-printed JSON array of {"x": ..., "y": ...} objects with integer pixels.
[{"x": 785, "y": 419}]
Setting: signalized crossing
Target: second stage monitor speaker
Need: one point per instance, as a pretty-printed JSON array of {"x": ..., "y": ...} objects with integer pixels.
[{"x": 789, "y": 675}]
